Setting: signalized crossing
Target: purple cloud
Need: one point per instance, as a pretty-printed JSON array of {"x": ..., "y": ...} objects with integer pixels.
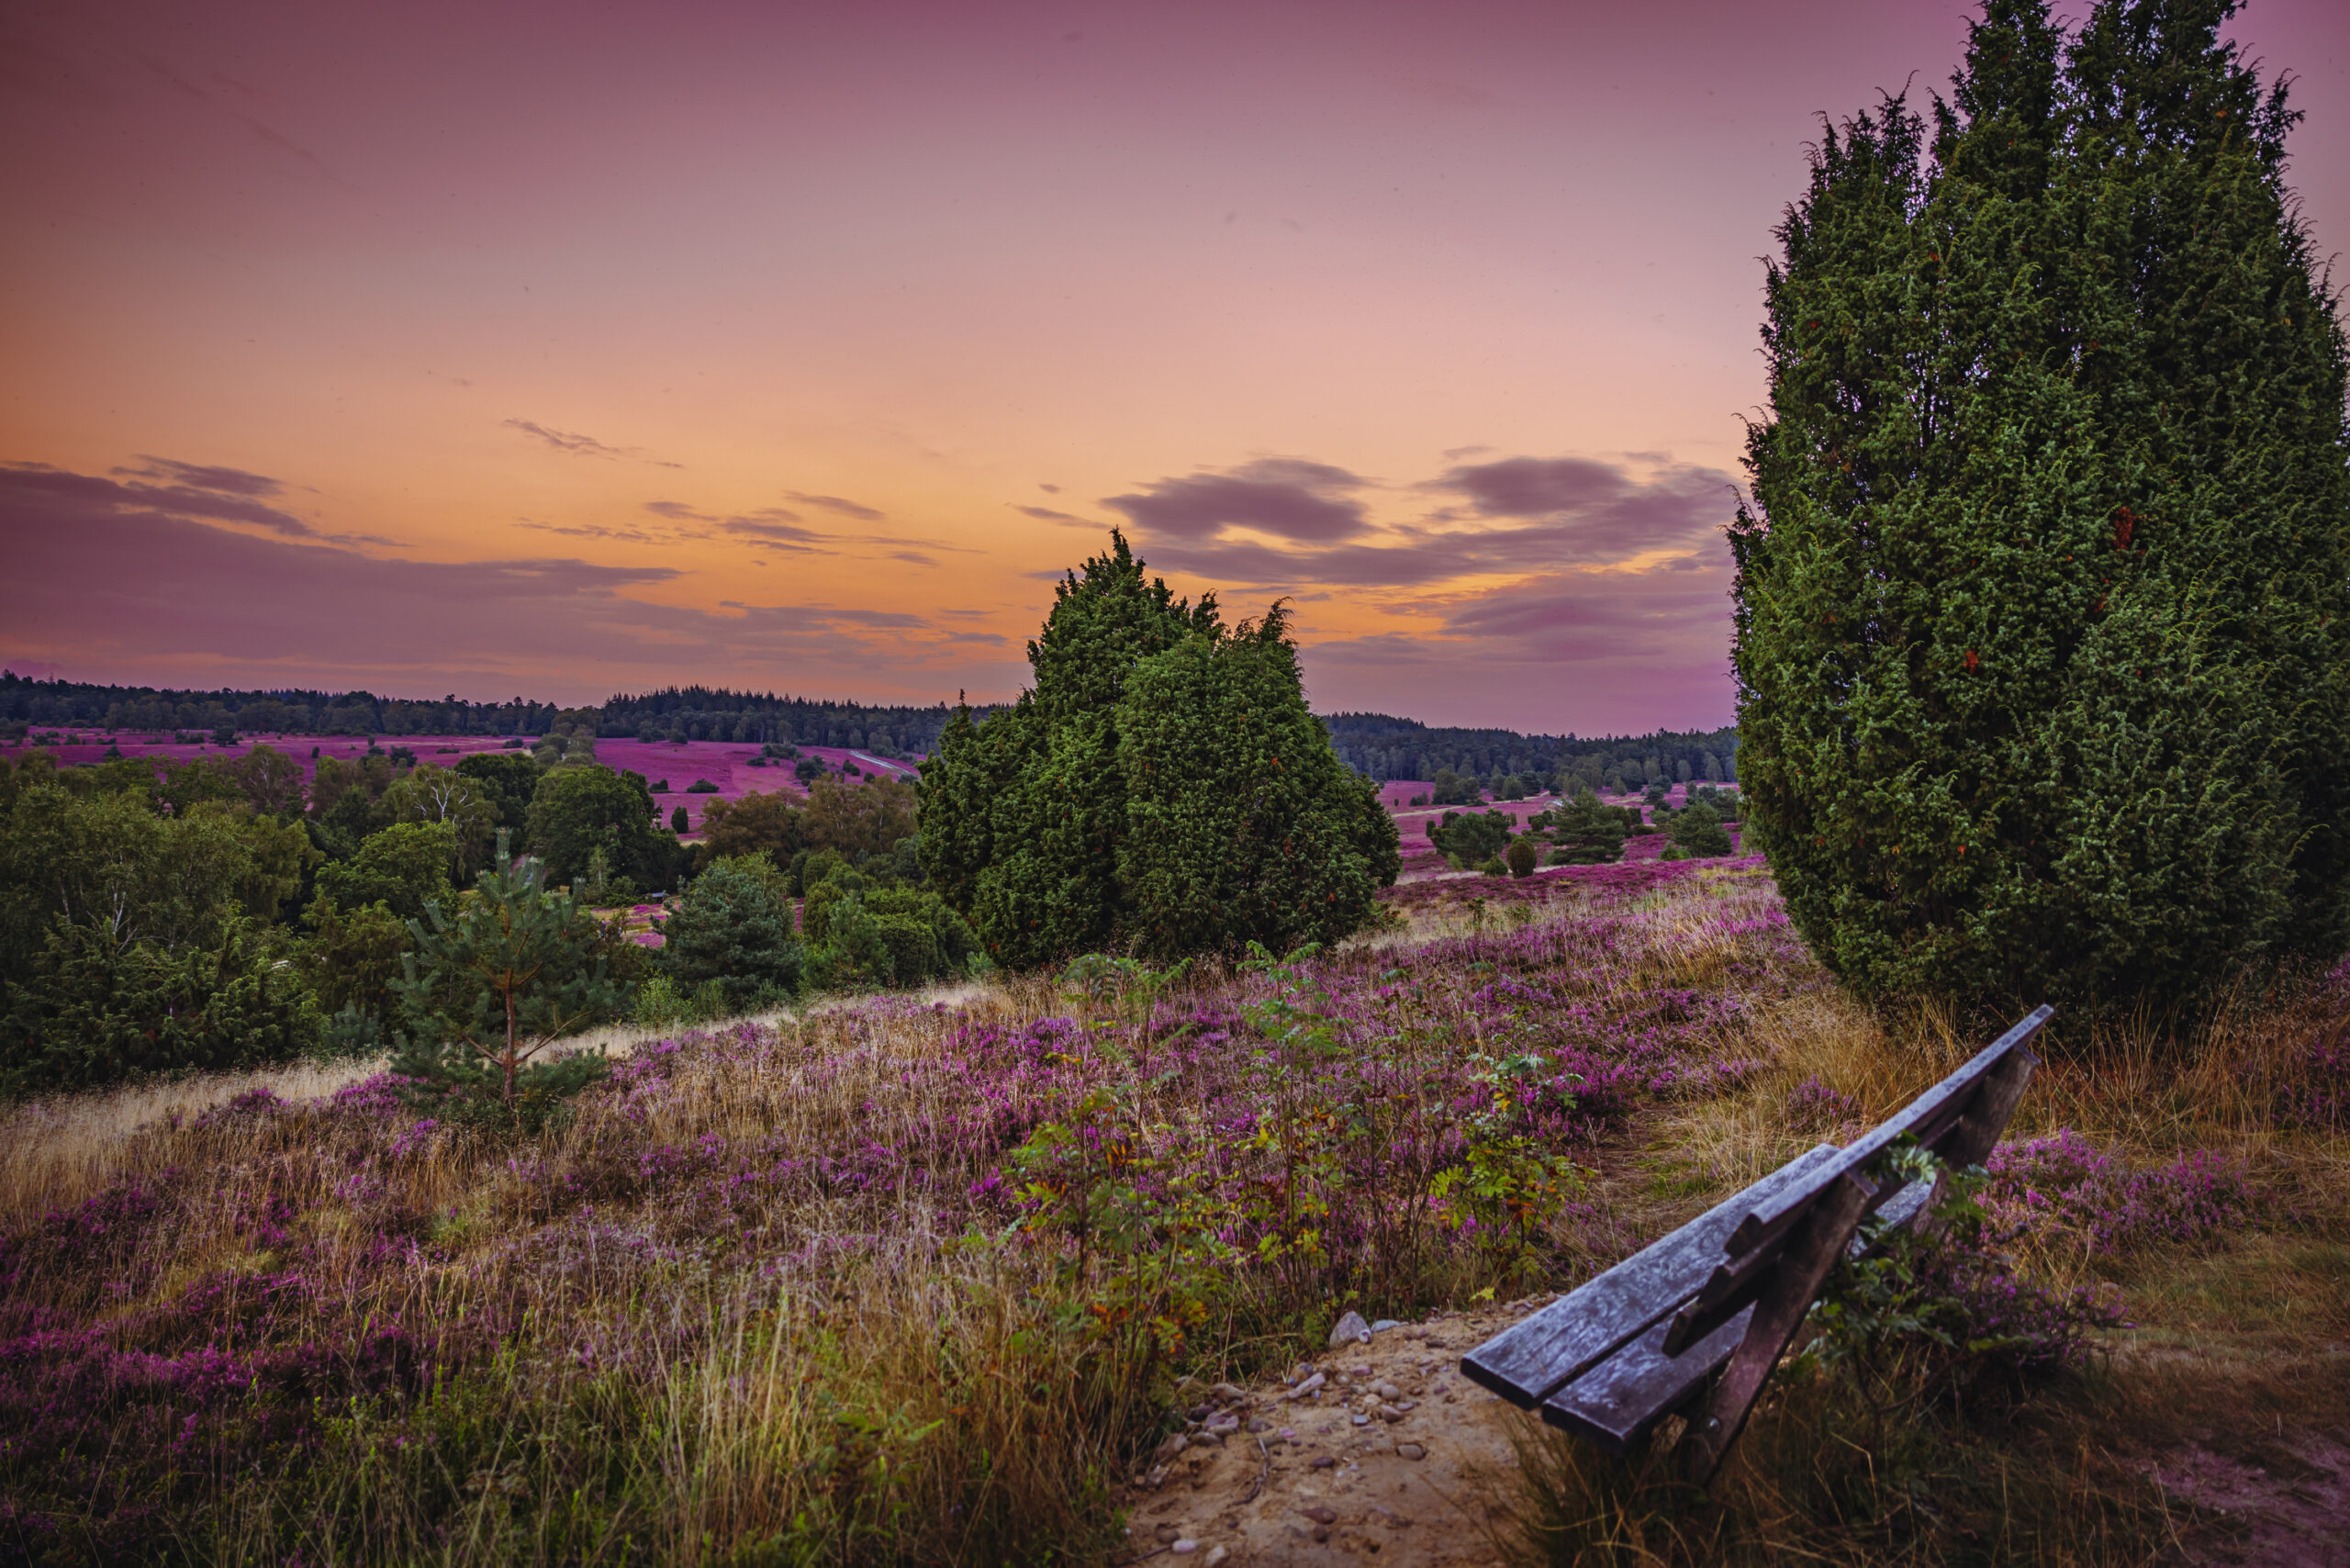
[
  {"x": 112, "y": 584},
  {"x": 1307, "y": 503},
  {"x": 566, "y": 440},
  {"x": 1046, "y": 514},
  {"x": 234, "y": 504},
  {"x": 837, "y": 503},
  {"x": 1514, "y": 515}
]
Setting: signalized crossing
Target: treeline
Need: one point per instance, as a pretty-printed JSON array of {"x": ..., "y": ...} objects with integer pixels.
[
  {"x": 675, "y": 713},
  {"x": 708, "y": 713},
  {"x": 1385, "y": 747},
  {"x": 1374, "y": 745},
  {"x": 26, "y": 704}
]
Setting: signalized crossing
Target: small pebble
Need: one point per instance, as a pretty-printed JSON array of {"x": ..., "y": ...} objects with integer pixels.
[
  {"x": 1184, "y": 1546},
  {"x": 1323, "y": 1461},
  {"x": 1289, "y": 1434},
  {"x": 1215, "y": 1555},
  {"x": 1384, "y": 1324},
  {"x": 1362, "y": 1420},
  {"x": 1411, "y": 1451}
]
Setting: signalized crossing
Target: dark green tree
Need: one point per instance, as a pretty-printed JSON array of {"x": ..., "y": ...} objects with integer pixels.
[
  {"x": 1697, "y": 834},
  {"x": 1035, "y": 863},
  {"x": 1586, "y": 832},
  {"x": 1241, "y": 823},
  {"x": 405, "y": 866},
  {"x": 580, "y": 808},
  {"x": 516, "y": 969},
  {"x": 508, "y": 778},
  {"x": 1472, "y": 837},
  {"x": 2043, "y": 602},
  {"x": 1057, "y": 834},
  {"x": 731, "y": 928}
]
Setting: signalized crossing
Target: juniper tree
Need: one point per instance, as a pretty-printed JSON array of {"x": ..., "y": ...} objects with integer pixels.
[
  {"x": 1242, "y": 825},
  {"x": 1081, "y": 819},
  {"x": 2041, "y": 603}
]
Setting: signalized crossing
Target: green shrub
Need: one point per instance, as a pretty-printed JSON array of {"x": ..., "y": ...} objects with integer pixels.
[
  {"x": 2042, "y": 611},
  {"x": 1522, "y": 857},
  {"x": 1698, "y": 834},
  {"x": 94, "y": 1011},
  {"x": 733, "y": 930},
  {"x": 1472, "y": 837}
]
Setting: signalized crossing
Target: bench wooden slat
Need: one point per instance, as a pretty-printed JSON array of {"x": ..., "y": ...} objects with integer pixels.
[
  {"x": 1902, "y": 1207},
  {"x": 1529, "y": 1361},
  {"x": 1618, "y": 1401},
  {"x": 1934, "y": 1111}
]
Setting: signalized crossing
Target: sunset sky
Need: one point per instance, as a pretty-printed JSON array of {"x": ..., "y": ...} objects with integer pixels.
[{"x": 556, "y": 351}]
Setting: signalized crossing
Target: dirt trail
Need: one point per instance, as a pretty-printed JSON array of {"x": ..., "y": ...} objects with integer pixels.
[{"x": 1321, "y": 1474}]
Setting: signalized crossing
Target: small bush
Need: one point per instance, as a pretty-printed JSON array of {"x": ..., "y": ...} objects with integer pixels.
[{"x": 1522, "y": 857}]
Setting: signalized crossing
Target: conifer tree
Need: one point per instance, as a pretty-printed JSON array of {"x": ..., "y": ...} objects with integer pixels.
[
  {"x": 1242, "y": 825},
  {"x": 1030, "y": 819},
  {"x": 2043, "y": 602}
]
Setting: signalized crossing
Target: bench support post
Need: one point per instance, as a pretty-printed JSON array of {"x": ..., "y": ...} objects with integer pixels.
[
  {"x": 1826, "y": 1231},
  {"x": 1978, "y": 1132}
]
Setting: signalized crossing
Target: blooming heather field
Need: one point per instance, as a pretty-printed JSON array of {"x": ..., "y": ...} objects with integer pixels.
[{"x": 913, "y": 1279}]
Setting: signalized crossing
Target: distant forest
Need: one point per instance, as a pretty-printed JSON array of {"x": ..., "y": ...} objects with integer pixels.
[{"x": 1374, "y": 744}]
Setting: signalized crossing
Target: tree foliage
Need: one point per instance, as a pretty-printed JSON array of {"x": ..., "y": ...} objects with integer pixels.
[
  {"x": 733, "y": 927},
  {"x": 96, "y": 1009},
  {"x": 2042, "y": 603},
  {"x": 580, "y": 808},
  {"x": 1161, "y": 787},
  {"x": 488, "y": 990},
  {"x": 404, "y": 868}
]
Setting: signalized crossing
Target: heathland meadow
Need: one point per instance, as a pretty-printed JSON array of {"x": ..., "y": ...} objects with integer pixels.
[{"x": 933, "y": 1277}]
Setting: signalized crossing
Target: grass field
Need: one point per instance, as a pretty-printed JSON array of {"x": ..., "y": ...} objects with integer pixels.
[{"x": 915, "y": 1279}]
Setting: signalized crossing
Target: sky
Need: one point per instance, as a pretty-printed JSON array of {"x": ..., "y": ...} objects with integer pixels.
[{"x": 557, "y": 351}]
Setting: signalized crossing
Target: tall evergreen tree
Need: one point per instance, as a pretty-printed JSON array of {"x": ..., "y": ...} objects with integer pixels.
[
  {"x": 1030, "y": 819},
  {"x": 2042, "y": 604},
  {"x": 1241, "y": 822}
]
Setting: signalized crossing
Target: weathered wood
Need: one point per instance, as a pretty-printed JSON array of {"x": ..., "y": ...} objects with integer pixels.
[
  {"x": 1529, "y": 1361},
  {"x": 1928, "y": 1116},
  {"x": 1618, "y": 1402},
  {"x": 1820, "y": 1238},
  {"x": 1978, "y": 1132},
  {"x": 1733, "y": 1286},
  {"x": 1906, "y": 1206}
]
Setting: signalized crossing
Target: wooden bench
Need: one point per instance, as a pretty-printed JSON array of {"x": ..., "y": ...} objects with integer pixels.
[{"x": 1727, "y": 1292}]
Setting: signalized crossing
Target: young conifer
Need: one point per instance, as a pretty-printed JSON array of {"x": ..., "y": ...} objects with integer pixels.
[{"x": 2042, "y": 603}]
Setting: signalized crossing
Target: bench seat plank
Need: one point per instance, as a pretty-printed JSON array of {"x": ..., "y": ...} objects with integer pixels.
[
  {"x": 1529, "y": 1360},
  {"x": 1618, "y": 1402}
]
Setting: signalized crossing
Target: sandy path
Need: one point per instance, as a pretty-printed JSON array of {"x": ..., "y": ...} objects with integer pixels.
[{"x": 1414, "y": 1491}]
